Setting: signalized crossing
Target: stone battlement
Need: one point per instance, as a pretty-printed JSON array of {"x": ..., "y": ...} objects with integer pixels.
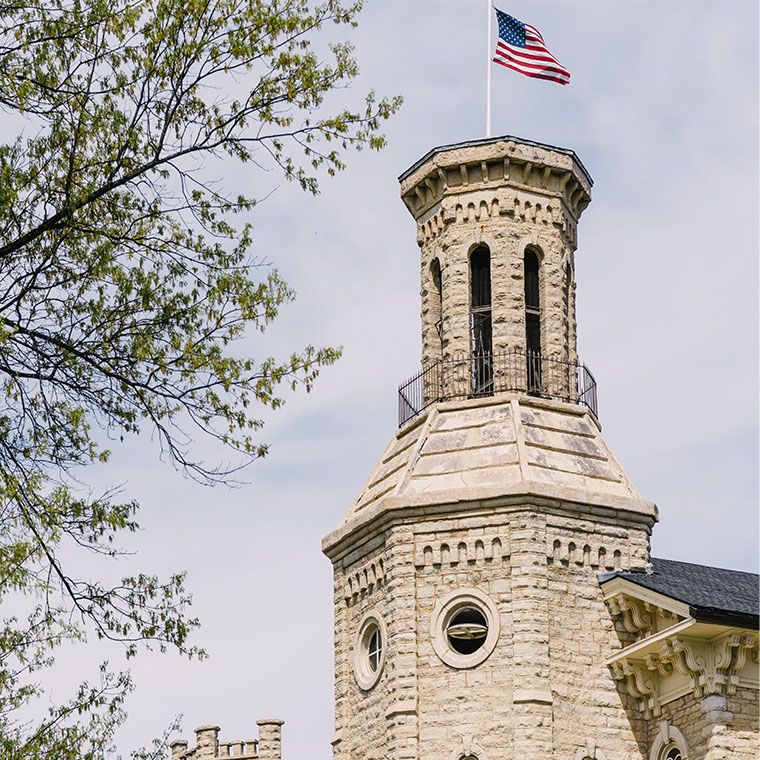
[{"x": 208, "y": 746}]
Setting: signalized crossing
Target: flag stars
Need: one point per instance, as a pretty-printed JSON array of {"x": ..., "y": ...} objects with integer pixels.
[{"x": 510, "y": 29}]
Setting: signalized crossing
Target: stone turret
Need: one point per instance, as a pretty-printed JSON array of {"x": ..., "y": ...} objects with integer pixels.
[
  {"x": 209, "y": 747},
  {"x": 505, "y": 198},
  {"x": 469, "y": 622}
]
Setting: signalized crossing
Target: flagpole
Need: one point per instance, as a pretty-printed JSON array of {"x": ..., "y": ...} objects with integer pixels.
[{"x": 488, "y": 70}]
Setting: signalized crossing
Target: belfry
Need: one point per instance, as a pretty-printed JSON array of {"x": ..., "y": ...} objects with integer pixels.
[
  {"x": 494, "y": 591},
  {"x": 497, "y": 230}
]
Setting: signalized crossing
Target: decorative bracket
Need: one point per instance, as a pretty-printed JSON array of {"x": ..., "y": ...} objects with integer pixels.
[
  {"x": 639, "y": 684},
  {"x": 730, "y": 657},
  {"x": 636, "y": 618},
  {"x": 682, "y": 655}
]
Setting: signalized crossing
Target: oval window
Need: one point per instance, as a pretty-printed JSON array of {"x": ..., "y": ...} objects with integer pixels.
[{"x": 369, "y": 650}]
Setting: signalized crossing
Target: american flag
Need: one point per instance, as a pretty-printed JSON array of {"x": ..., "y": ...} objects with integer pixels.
[{"x": 521, "y": 47}]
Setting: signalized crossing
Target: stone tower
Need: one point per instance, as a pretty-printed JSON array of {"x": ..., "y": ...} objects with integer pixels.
[{"x": 469, "y": 622}]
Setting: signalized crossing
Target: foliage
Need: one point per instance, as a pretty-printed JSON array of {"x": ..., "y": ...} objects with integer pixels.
[{"x": 127, "y": 280}]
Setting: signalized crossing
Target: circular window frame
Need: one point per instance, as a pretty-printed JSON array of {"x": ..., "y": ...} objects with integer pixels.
[
  {"x": 445, "y": 610},
  {"x": 365, "y": 676}
]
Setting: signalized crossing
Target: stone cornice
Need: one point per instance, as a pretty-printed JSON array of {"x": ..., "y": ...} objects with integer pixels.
[
  {"x": 689, "y": 657},
  {"x": 489, "y": 141},
  {"x": 517, "y": 497},
  {"x": 496, "y": 165}
]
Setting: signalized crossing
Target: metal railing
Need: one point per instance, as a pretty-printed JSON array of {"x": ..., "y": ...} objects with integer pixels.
[{"x": 478, "y": 375}]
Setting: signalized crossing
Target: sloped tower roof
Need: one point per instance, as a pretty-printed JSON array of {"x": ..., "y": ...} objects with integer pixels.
[{"x": 485, "y": 451}]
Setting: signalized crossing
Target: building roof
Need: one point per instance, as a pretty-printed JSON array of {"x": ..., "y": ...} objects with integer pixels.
[{"x": 712, "y": 593}]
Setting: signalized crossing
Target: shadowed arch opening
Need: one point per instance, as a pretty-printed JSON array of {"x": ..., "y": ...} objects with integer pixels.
[
  {"x": 436, "y": 299},
  {"x": 567, "y": 309},
  {"x": 481, "y": 330},
  {"x": 531, "y": 274}
]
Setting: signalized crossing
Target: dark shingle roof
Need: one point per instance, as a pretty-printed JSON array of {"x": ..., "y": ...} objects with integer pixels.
[{"x": 712, "y": 593}]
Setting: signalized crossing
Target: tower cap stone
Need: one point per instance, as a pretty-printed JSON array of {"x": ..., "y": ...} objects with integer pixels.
[
  {"x": 491, "y": 141},
  {"x": 449, "y": 169}
]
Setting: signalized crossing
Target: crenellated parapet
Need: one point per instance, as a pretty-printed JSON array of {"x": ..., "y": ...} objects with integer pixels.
[{"x": 208, "y": 746}]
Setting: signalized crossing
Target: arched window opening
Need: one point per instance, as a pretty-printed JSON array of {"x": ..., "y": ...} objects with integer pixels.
[
  {"x": 532, "y": 321},
  {"x": 481, "y": 335},
  {"x": 437, "y": 298},
  {"x": 670, "y": 744},
  {"x": 567, "y": 307}
]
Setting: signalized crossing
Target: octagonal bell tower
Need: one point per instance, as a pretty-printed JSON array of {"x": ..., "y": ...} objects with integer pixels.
[
  {"x": 510, "y": 202},
  {"x": 468, "y": 618}
]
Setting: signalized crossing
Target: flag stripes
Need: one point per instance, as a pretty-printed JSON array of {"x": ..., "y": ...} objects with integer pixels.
[{"x": 521, "y": 47}]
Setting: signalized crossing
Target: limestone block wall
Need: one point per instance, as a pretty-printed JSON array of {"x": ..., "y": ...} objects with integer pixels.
[
  {"x": 716, "y": 727},
  {"x": 587, "y": 705},
  {"x": 381, "y": 721},
  {"x": 571, "y": 699},
  {"x": 544, "y": 690},
  {"x": 734, "y": 730},
  {"x": 507, "y": 234},
  {"x": 360, "y": 585},
  {"x": 458, "y": 708}
]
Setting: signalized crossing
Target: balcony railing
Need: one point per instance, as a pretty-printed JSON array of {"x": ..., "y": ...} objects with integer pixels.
[{"x": 479, "y": 375}]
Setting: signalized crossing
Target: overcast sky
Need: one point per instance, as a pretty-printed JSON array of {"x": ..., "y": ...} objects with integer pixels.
[{"x": 663, "y": 111}]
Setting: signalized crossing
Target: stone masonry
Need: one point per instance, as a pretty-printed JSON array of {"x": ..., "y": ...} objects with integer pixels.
[
  {"x": 209, "y": 747},
  {"x": 509, "y": 194},
  {"x": 494, "y": 593},
  {"x": 532, "y": 550},
  {"x": 489, "y": 519}
]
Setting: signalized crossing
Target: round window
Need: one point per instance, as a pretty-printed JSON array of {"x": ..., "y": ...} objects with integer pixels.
[
  {"x": 674, "y": 753},
  {"x": 465, "y": 628},
  {"x": 369, "y": 650}
]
